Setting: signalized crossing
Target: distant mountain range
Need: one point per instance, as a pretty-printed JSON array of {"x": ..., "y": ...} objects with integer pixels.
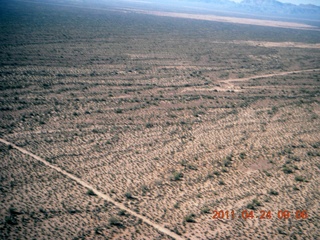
[
  {"x": 270, "y": 7},
  {"x": 275, "y": 7}
]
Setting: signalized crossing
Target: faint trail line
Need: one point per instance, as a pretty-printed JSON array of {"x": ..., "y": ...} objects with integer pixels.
[
  {"x": 231, "y": 82},
  {"x": 267, "y": 75},
  {"x": 100, "y": 194}
]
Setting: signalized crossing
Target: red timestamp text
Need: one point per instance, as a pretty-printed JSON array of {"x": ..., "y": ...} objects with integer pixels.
[{"x": 262, "y": 214}]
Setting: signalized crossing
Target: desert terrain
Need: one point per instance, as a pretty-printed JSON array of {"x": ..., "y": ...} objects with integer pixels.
[
  {"x": 129, "y": 125},
  {"x": 237, "y": 20}
]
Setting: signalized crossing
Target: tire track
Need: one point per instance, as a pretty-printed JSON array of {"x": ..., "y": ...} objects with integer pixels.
[
  {"x": 97, "y": 192},
  {"x": 229, "y": 81}
]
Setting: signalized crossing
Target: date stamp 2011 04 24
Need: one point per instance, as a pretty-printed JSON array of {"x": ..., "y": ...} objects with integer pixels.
[{"x": 262, "y": 214}]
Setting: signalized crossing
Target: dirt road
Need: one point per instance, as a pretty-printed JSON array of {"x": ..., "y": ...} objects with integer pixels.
[
  {"x": 98, "y": 193},
  {"x": 229, "y": 82},
  {"x": 267, "y": 75}
]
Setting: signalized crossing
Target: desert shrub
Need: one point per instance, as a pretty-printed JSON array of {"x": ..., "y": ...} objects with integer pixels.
[
  {"x": 209, "y": 176},
  {"x": 176, "y": 176},
  {"x": 144, "y": 188},
  {"x": 205, "y": 210},
  {"x": 316, "y": 145},
  {"x": 250, "y": 206},
  {"x": 113, "y": 221},
  {"x": 11, "y": 220},
  {"x": 224, "y": 75},
  {"x": 226, "y": 163},
  {"x": 229, "y": 157},
  {"x": 313, "y": 154},
  {"x": 128, "y": 195},
  {"x": 192, "y": 167},
  {"x": 254, "y": 204},
  {"x": 176, "y": 230},
  {"x": 296, "y": 188},
  {"x": 97, "y": 130},
  {"x": 299, "y": 179},
  {"x": 273, "y": 192},
  {"x": 295, "y": 158},
  {"x": 240, "y": 75},
  {"x": 90, "y": 192},
  {"x": 72, "y": 211},
  {"x": 242, "y": 155},
  {"x": 190, "y": 218},
  {"x": 287, "y": 170},
  {"x": 98, "y": 230},
  {"x": 221, "y": 182},
  {"x": 267, "y": 173},
  {"x": 5, "y": 148},
  {"x": 122, "y": 212},
  {"x": 183, "y": 163},
  {"x": 149, "y": 125},
  {"x": 13, "y": 211}
]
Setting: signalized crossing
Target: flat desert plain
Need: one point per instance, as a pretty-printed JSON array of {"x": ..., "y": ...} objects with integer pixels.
[
  {"x": 237, "y": 20},
  {"x": 126, "y": 125}
]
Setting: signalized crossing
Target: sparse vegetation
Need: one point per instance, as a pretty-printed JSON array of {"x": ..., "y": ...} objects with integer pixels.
[
  {"x": 149, "y": 125},
  {"x": 190, "y": 218},
  {"x": 221, "y": 182},
  {"x": 205, "y": 210},
  {"x": 118, "y": 110},
  {"x": 254, "y": 204},
  {"x": 128, "y": 195},
  {"x": 90, "y": 192},
  {"x": 299, "y": 179},
  {"x": 166, "y": 115},
  {"x": 113, "y": 221},
  {"x": 176, "y": 176},
  {"x": 273, "y": 192},
  {"x": 287, "y": 170}
]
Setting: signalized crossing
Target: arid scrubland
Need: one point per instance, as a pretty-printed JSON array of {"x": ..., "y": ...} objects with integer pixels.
[{"x": 173, "y": 118}]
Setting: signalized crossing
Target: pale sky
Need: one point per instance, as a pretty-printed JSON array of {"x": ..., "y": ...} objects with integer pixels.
[{"x": 315, "y": 2}]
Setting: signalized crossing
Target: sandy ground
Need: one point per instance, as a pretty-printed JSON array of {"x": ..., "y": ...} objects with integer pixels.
[
  {"x": 100, "y": 194},
  {"x": 141, "y": 121},
  {"x": 228, "y": 85},
  {"x": 279, "y": 44},
  {"x": 215, "y": 18}
]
